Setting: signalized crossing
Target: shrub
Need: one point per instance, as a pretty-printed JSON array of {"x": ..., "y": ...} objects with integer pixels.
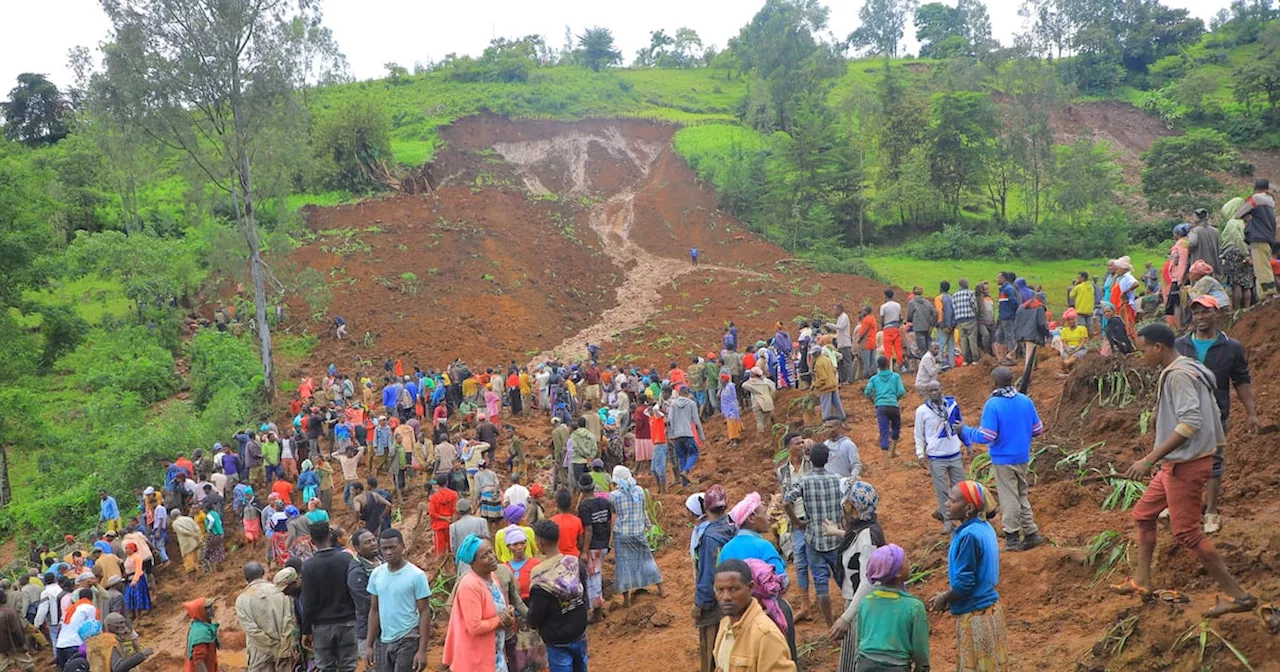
[
  {"x": 349, "y": 143},
  {"x": 955, "y": 242},
  {"x": 128, "y": 358},
  {"x": 220, "y": 360}
]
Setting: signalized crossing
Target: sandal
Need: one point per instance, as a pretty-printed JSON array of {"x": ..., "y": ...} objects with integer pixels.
[
  {"x": 1131, "y": 587},
  {"x": 1270, "y": 615},
  {"x": 1231, "y": 606},
  {"x": 1170, "y": 596}
]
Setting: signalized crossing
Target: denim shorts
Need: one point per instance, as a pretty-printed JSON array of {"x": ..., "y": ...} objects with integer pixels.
[{"x": 822, "y": 565}]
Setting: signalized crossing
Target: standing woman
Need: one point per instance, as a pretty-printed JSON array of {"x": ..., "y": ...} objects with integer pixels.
[
  {"x": 1237, "y": 267},
  {"x": 729, "y": 408},
  {"x": 893, "y": 628},
  {"x": 862, "y": 536},
  {"x": 137, "y": 595},
  {"x": 634, "y": 566},
  {"x": 215, "y": 548},
  {"x": 1123, "y": 294},
  {"x": 490, "y": 495},
  {"x": 644, "y": 437},
  {"x": 474, "y": 641},
  {"x": 973, "y": 570},
  {"x": 1178, "y": 256},
  {"x": 526, "y": 652}
]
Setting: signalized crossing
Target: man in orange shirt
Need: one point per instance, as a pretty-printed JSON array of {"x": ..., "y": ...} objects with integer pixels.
[
  {"x": 867, "y": 339},
  {"x": 675, "y": 374},
  {"x": 571, "y": 530}
]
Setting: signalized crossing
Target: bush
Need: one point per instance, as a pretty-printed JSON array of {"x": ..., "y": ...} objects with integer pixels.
[
  {"x": 128, "y": 358},
  {"x": 955, "y": 242},
  {"x": 349, "y": 143},
  {"x": 220, "y": 360}
]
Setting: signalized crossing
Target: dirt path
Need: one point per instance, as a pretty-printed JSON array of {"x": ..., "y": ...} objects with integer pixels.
[{"x": 643, "y": 272}]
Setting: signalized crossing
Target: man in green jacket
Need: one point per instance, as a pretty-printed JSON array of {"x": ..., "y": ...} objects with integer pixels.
[{"x": 586, "y": 447}]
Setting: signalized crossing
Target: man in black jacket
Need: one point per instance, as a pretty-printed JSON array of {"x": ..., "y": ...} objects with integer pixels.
[
  {"x": 362, "y": 565},
  {"x": 328, "y": 613},
  {"x": 1225, "y": 357},
  {"x": 558, "y": 602}
]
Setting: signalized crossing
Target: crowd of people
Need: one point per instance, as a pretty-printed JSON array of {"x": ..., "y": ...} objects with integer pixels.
[{"x": 531, "y": 539}]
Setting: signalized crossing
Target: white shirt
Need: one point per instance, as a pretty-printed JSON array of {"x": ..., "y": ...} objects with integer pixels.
[
  {"x": 928, "y": 371},
  {"x": 47, "y": 611},
  {"x": 934, "y": 437},
  {"x": 286, "y": 449},
  {"x": 891, "y": 314},
  {"x": 219, "y": 481},
  {"x": 516, "y": 495},
  {"x": 69, "y": 635}
]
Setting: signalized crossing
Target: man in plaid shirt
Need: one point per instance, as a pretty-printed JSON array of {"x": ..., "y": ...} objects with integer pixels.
[
  {"x": 965, "y": 304},
  {"x": 820, "y": 490}
]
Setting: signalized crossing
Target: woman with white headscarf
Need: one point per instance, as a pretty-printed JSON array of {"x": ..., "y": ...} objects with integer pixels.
[{"x": 634, "y": 566}]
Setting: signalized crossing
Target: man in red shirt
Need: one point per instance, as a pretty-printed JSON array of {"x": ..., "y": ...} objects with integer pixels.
[
  {"x": 867, "y": 337},
  {"x": 571, "y": 530}
]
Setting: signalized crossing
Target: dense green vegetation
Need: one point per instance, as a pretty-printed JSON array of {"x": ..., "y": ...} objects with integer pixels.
[{"x": 121, "y": 197}]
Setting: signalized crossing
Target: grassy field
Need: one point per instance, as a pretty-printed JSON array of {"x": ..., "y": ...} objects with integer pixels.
[{"x": 1055, "y": 275}]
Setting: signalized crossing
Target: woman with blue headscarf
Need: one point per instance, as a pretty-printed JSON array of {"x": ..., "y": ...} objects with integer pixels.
[
  {"x": 475, "y": 640},
  {"x": 862, "y": 536}
]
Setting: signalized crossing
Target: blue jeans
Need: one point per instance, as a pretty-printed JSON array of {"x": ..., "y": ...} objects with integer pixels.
[
  {"x": 571, "y": 657},
  {"x": 659, "y": 464},
  {"x": 947, "y": 345},
  {"x": 868, "y": 363},
  {"x": 801, "y": 558},
  {"x": 889, "y": 421},
  {"x": 273, "y": 472},
  {"x": 686, "y": 453},
  {"x": 822, "y": 564}
]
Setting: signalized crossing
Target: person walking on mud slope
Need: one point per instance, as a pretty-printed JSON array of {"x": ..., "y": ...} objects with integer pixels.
[
  {"x": 1009, "y": 421},
  {"x": 1225, "y": 357},
  {"x": 693, "y": 256},
  {"x": 1186, "y": 439}
]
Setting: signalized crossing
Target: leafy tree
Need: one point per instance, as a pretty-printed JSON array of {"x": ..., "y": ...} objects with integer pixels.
[
  {"x": 687, "y": 48},
  {"x": 127, "y": 358},
  {"x": 959, "y": 140},
  {"x": 883, "y": 23},
  {"x": 61, "y": 330},
  {"x": 217, "y": 82},
  {"x": 901, "y": 117},
  {"x": 945, "y": 31},
  {"x": 1085, "y": 180},
  {"x": 1178, "y": 172},
  {"x": 595, "y": 49},
  {"x": 26, "y": 215},
  {"x": 150, "y": 270},
  {"x": 80, "y": 171},
  {"x": 220, "y": 360},
  {"x": 651, "y": 56},
  {"x": 787, "y": 63},
  {"x": 395, "y": 71},
  {"x": 349, "y": 144},
  {"x": 36, "y": 111},
  {"x": 502, "y": 61},
  {"x": 1034, "y": 92}
]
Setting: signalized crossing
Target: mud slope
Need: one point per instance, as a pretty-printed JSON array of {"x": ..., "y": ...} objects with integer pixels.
[{"x": 545, "y": 236}]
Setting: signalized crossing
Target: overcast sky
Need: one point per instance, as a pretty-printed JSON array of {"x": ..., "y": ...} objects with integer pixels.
[{"x": 373, "y": 32}]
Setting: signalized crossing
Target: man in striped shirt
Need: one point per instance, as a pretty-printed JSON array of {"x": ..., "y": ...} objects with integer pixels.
[{"x": 965, "y": 305}]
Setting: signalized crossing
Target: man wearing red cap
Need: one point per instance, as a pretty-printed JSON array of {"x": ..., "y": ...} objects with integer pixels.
[{"x": 1225, "y": 357}]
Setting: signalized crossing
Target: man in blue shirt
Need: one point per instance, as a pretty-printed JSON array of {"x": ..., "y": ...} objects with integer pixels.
[
  {"x": 1009, "y": 421},
  {"x": 1008, "y": 307},
  {"x": 399, "y": 613},
  {"x": 108, "y": 511}
]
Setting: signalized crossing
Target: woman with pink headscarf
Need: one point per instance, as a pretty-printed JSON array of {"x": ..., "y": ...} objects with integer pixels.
[{"x": 752, "y": 520}]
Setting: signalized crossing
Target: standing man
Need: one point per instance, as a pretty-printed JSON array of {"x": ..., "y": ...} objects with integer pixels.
[
  {"x": 328, "y": 613},
  {"x": 1225, "y": 357},
  {"x": 1082, "y": 297},
  {"x": 826, "y": 384},
  {"x": 922, "y": 315},
  {"x": 559, "y": 444},
  {"x": 749, "y": 640},
  {"x": 363, "y": 563},
  {"x": 1008, "y": 308},
  {"x": 1203, "y": 243},
  {"x": 108, "y": 512},
  {"x": 267, "y": 618},
  {"x": 683, "y": 420},
  {"x": 866, "y": 342},
  {"x": 1260, "y": 233},
  {"x": 586, "y": 447},
  {"x": 938, "y": 447},
  {"x": 844, "y": 343},
  {"x": 820, "y": 490},
  {"x": 891, "y": 324},
  {"x": 709, "y": 536},
  {"x": 843, "y": 459},
  {"x": 1009, "y": 421},
  {"x": 693, "y": 256},
  {"x": 762, "y": 391},
  {"x": 399, "y": 616},
  {"x": 1187, "y": 435},
  {"x": 946, "y": 324},
  {"x": 965, "y": 304}
]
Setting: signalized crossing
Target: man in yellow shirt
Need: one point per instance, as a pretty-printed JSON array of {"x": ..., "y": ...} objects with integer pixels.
[
  {"x": 1070, "y": 340},
  {"x": 748, "y": 639},
  {"x": 1083, "y": 299}
]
